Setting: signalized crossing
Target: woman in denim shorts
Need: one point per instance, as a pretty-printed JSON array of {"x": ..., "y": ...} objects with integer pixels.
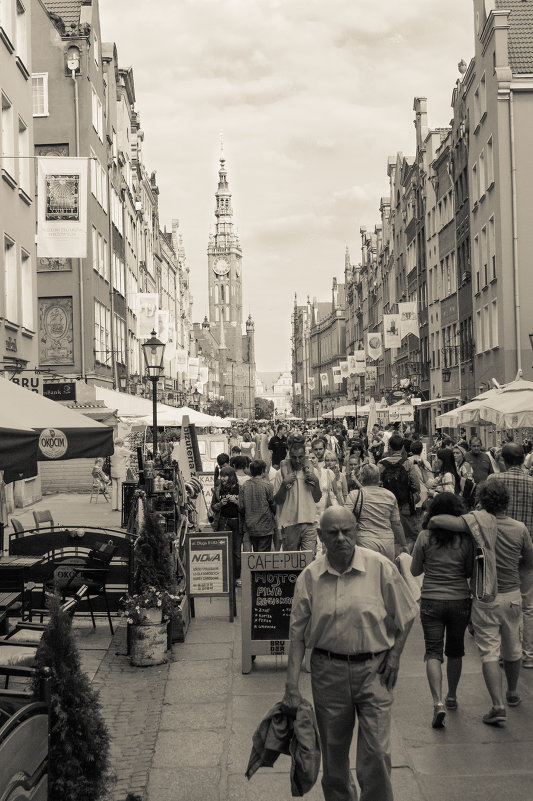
[{"x": 445, "y": 558}]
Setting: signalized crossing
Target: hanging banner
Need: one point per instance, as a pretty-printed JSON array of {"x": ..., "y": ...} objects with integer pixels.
[
  {"x": 324, "y": 380},
  {"x": 163, "y": 319},
  {"x": 203, "y": 375},
  {"x": 357, "y": 363},
  {"x": 181, "y": 360},
  {"x": 170, "y": 348},
  {"x": 297, "y": 389},
  {"x": 311, "y": 382},
  {"x": 337, "y": 376},
  {"x": 391, "y": 324},
  {"x": 408, "y": 319},
  {"x": 194, "y": 363},
  {"x": 147, "y": 317},
  {"x": 62, "y": 207},
  {"x": 344, "y": 369},
  {"x": 374, "y": 349},
  {"x": 371, "y": 375}
]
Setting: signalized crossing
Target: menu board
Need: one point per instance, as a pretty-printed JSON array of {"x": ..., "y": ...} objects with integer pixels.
[
  {"x": 209, "y": 566},
  {"x": 268, "y": 582},
  {"x": 272, "y": 595}
]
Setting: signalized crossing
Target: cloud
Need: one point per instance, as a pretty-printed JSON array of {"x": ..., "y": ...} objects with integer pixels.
[{"x": 313, "y": 98}]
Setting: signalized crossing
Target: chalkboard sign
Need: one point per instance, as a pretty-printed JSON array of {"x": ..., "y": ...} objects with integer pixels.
[
  {"x": 268, "y": 581},
  {"x": 272, "y": 594}
]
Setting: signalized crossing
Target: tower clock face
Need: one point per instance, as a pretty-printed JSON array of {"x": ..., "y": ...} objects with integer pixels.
[{"x": 221, "y": 267}]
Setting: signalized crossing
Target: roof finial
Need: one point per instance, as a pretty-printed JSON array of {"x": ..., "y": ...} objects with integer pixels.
[{"x": 222, "y": 146}]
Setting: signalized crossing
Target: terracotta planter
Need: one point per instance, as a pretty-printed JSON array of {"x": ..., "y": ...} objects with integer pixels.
[
  {"x": 152, "y": 616},
  {"x": 148, "y": 645}
]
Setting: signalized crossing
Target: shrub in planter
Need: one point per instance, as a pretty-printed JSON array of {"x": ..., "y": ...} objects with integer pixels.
[{"x": 79, "y": 740}]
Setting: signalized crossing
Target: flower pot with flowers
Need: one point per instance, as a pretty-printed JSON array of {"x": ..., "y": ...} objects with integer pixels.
[{"x": 148, "y": 608}]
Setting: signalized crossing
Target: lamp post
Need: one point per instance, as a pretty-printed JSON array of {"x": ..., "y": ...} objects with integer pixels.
[{"x": 153, "y": 351}]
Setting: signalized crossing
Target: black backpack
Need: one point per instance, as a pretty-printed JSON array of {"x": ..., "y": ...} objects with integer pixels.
[{"x": 396, "y": 479}]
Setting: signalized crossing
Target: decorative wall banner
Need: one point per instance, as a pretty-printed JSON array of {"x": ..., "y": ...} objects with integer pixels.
[
  {"x": 392, "y": 336},
  {"x": 357, "y": 363},
  {"x": 344, "y": 369},
  {"x": 337, "y": 376},
  {"x": 181, "y": 360},
  {"x": 194, "y": 364},
  {"x": 371, "y": 375},
  {"x": 56, "y": 341},
  {"x": 324, "y": 380},
  {"x": 62, "y": 208},
  {"x": 203, "y": 375},
  {"x": 408, "y": 319},
  {"x": 311, "y": 382},
  {"x": 374, "y": 348},
  {"x": 146, "y": 305},
  {"x": 170, "y": 348},
  {"x": 163, "y": 319},
  {"x": 297, "y": 389}
]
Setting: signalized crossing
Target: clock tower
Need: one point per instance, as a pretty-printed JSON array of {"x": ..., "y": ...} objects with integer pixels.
[{"x": 224, "y": 264}]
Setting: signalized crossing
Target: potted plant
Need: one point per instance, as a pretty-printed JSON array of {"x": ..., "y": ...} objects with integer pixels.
[
  {"x": 148, "y": 607},
  {"x": 78, "y": 761}
]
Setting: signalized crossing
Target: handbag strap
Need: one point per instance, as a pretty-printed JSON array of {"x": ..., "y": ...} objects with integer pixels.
[{"x": 359, "y": 502}]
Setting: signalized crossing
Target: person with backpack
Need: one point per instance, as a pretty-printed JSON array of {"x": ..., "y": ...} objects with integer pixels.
[{"x": 399, "y": 477}]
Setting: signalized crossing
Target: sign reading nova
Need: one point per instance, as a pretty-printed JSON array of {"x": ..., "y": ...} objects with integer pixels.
[{"x": 209, "y": 566}]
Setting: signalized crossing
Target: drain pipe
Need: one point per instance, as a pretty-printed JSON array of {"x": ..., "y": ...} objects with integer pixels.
[
  {"x": 515, "y": 234},
  {"x": 80, "y": 268}
]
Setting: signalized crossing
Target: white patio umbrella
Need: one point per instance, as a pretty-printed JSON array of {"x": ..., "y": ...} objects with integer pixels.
[
  {"x": 510, "y": 406},
  {"x": 169, "y": 416}
]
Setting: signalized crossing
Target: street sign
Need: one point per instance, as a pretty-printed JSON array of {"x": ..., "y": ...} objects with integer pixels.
[{"x": 34, "y": 383}]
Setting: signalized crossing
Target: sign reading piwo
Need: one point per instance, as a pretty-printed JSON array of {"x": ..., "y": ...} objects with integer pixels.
[{"x": 268, "y": 581}]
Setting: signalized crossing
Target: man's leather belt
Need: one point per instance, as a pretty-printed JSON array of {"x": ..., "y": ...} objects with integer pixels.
[{"x": 362, "y": 657}]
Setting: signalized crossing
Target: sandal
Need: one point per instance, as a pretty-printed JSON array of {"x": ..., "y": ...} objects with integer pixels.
[
  {"x": 450, "y": 703},
  {"x": 439, "y": 713}
]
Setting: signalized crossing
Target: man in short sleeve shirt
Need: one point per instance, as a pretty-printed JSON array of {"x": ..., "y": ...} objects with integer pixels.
[{"x": 352, "y": 607}]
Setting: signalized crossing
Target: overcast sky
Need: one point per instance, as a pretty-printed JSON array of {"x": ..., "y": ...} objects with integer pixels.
[{"x": 312, "y": 96}]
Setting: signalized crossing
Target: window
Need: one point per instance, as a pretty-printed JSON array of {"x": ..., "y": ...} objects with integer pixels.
[
  {"x": 97, "y": 114},
  {"x": 490, "y": 164},
  {"x": 102, "y": 333},
  {"x": 105, "y": 260},
  {"x": 133, "y": 352},
  {"x": 486, "y": 328},
  {"x": 98, "y": 181},
  {"x": 479, "y": 333},
  {"x": 39, "y": 83},
  {"x": 477, "y": 286},
  {"x": 10, "y": 281},
  {"x": 27, "y": 290},
  {"x": 494, "y": 323},
  {"x": 118, "y": 274},
  {"x": 24, "y": 161},
  {"x": 21, "y": 33},
  {"x": 481, "y": 174},
  {"x": 492, "y": 249},
  {"x": 8, "y": 139},
  {"x": 6, "y": 19},
  {"x": 96, "y": 50},
  {"x": 475, "y": 186},
  {"x": 94, "y": 243},
  {"x": 120, "y": 340},
  {"x": 116, "y": 210},
  {"x": 484, "y": 257}
]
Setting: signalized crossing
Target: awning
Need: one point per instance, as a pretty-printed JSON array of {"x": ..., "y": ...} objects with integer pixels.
[
  {"x": 436, "y": 401},
  {"x": 62, "y": 432},
  {"x": 169, "y": 416}
]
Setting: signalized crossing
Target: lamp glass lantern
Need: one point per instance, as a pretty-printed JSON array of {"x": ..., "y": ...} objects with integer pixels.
[{"x": 154, "y": 351}]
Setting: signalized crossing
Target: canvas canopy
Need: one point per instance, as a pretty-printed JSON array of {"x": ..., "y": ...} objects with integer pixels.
[
  {"x": 59, "y": 432},
  {"x": 510, "y": 406},
  {"x": 169, "y": 416}
]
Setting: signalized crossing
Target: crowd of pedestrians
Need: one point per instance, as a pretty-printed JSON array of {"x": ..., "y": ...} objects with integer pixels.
[{"x": 462, "y": 517}]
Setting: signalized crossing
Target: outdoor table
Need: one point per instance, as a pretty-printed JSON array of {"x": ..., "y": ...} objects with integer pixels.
[{"x": 14, "y": 573}]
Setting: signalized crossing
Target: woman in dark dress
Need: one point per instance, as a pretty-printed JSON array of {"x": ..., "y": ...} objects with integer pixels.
[{"x": 225, "y": 507}]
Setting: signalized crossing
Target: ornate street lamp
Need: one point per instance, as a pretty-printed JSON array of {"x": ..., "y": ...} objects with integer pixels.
[{"x": 153, "y": 351}]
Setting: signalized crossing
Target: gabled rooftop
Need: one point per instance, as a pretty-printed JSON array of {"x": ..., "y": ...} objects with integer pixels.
[
  {"x": 68, "y": 10},
  {"x": 520, "y": 34}
]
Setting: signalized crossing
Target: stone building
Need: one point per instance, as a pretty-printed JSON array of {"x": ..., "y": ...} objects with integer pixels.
[{"x": 225, "y": 324}]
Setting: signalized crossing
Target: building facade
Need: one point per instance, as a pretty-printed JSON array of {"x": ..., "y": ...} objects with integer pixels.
[{"x": 18, "y": 310}]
